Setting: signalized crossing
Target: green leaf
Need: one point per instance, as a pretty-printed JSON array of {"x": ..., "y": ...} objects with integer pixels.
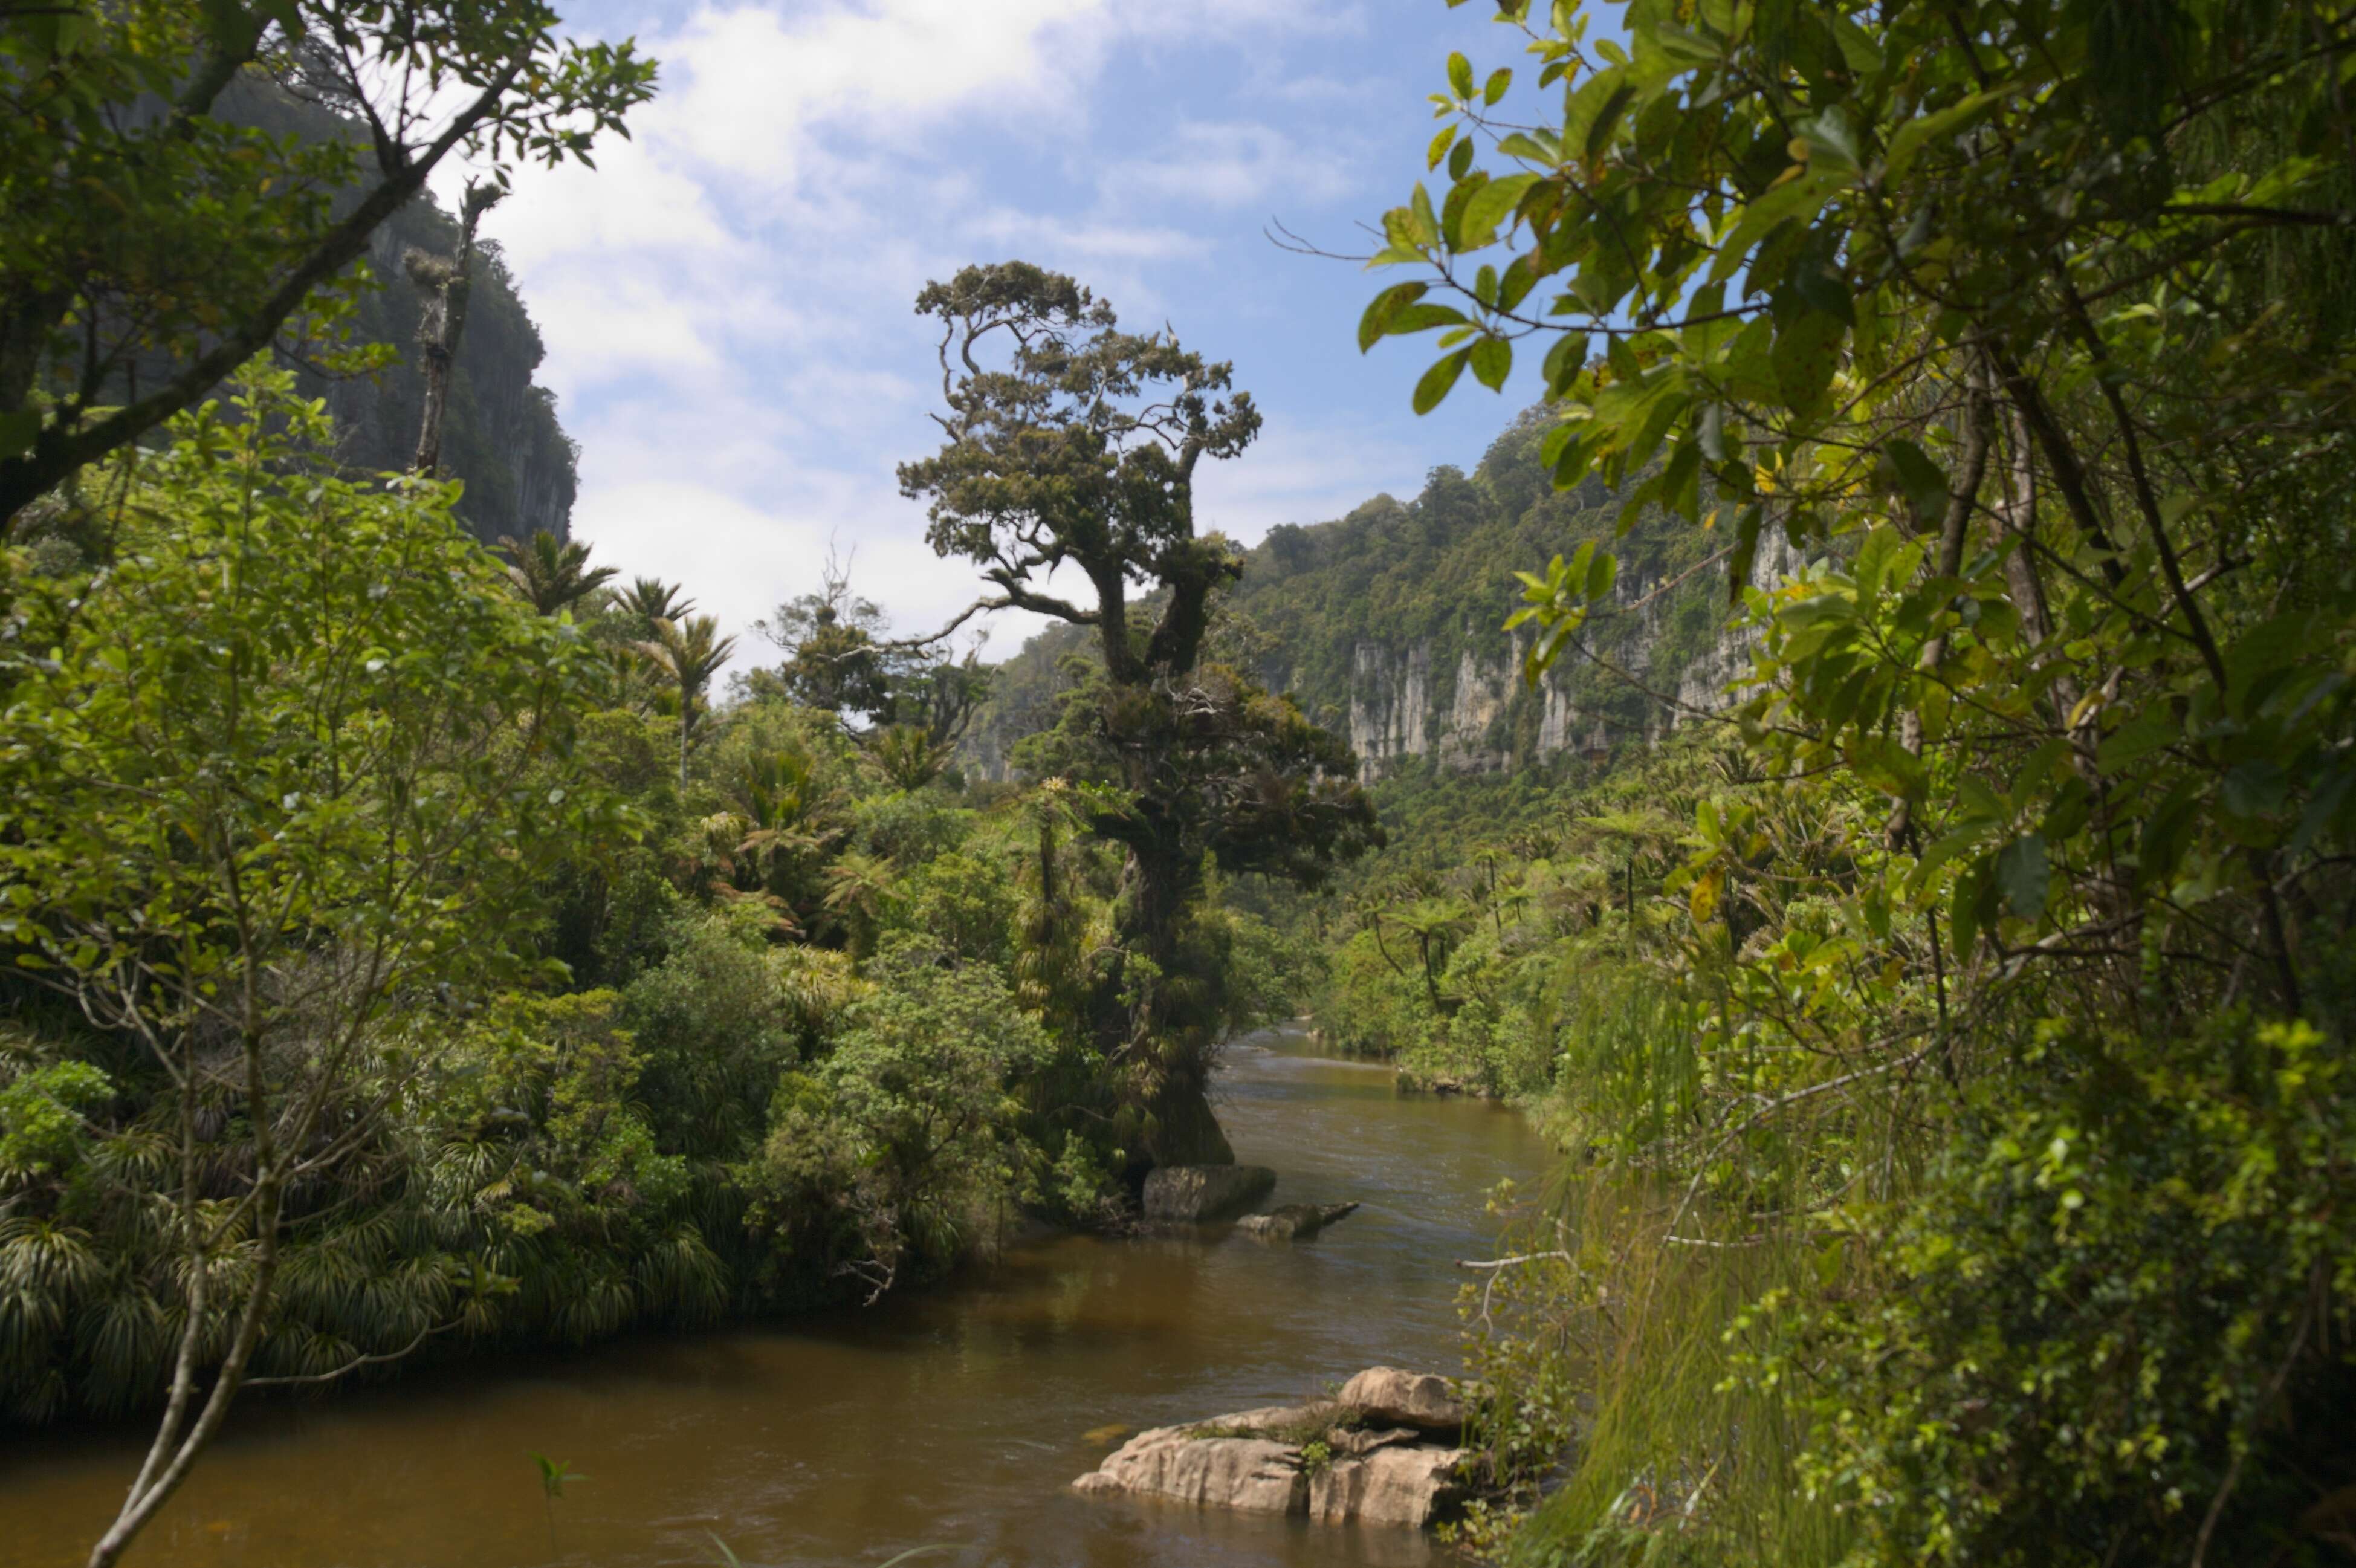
[
  {"x": 1709, "y": 431},
  {"x": 1499, "y": 81},
  {"x": 1424, "y": 317},
  {"x": 2166, "y": 833},
  {"x": 1564, "y": 362},
  {"x": 1607, "y": 119},
  {"x": 1382, "y": 309},
  {"x": 1437, "y": 381},
  {"x": 2021, "y": 873},
  {"x": 1911, "y": 471},
  {"x": 1746, "y": 551},
  {"x": 1806, "y": 353},
  {"x": 1459, "y": 75},
  {"x": 1858, "y": 52},
  {"x": 1968, "y": 908},
  {"x": 1440, "y": 145},
  {"x": 1493, "y": 362},
  {"x": 2033, "y": 773},
  {"x": 1830, "y": 140},
  {"x": 1489, "y": 206},
  {"x": 1907, "y": 143},
  {"x": 1800, "y": 198},
  {"x": 2254, "y": 789},
  {"x": 2155, "y": 727},
  {"x": 1601, "y": 573}
]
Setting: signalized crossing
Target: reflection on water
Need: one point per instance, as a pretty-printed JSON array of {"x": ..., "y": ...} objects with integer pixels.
[{"x": 957, "y": 1416}]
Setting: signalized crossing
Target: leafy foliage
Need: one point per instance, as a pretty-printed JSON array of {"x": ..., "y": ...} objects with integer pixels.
[
  {"x": 1070, "y": 442},
  {"x": 153, "y": 228},
  {"x": 2020, "y": 323}
]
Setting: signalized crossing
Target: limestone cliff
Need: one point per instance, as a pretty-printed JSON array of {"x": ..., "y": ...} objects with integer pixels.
[
  {"x": 1483, "y": 719},
  {"x": 501, "y": 436},
  {"x": 1386, "y": 625}
]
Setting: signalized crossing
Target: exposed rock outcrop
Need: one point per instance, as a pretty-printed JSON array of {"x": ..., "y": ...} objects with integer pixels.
[
  {"x": 1199, "y": 1194},
  {"x": 1386, "y": 1396},
  {"x": 1393, "y": 1484},
  {"x": 1250, "y": 1474},
  {"x": 1294, "y": 1221},
  {"x": 1332, "y": 1462}
]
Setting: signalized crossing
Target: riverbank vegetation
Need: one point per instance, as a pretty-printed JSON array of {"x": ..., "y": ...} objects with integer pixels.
[
  {"x": 413, "y": 952},
  {"x": 1950, "y": 1040},
  {"x": 427, "y": 932}
]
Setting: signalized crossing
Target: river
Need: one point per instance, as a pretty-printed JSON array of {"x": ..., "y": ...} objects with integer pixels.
[{"x": 957, "y": 1416}]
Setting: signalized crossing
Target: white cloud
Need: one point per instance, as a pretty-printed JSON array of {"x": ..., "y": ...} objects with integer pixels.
[
  {"x": 1301, "y": 471},
  {"x": 725, "y": 298},
  {"x": 1225, "y": 164}
]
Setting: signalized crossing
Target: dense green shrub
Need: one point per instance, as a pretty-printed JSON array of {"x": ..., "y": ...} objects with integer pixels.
[
  {"x": 904, "y": 1146},
  {"x": 2116, "y": 1323}
]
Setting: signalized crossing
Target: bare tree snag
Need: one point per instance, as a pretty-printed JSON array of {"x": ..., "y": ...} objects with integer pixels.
[{"x": 447, "y": 282}]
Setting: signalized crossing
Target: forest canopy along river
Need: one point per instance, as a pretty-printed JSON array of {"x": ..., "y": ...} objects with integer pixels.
[{"x": 958, "y": 1416}]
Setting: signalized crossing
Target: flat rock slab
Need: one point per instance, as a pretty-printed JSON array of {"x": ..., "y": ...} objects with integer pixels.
[
  {"x": 1205, "y": 1193},
  {"x": 1250, "y": 1474}
]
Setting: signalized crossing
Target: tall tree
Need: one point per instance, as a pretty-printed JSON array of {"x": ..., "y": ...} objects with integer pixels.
[
  {"x": 328, "y": 822},
  {"x": 1069, "y": 442},
  {"x": 155, "y": 241},
  {"x": 837, "y": 657},
  {"x": 688, "y": 654}
]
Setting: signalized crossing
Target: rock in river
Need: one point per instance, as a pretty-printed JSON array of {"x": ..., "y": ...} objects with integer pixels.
[
  {"x": 1294, "y": 1221},
  {"x": 1386, "y": 1396},
  {"x": 1203, "y": 1193},
  {"x": 1330, "y": 1461}
]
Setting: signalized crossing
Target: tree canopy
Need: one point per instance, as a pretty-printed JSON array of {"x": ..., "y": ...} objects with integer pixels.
[
  {"x": 1069, "y": 442},
  {"x": 157, "y": 238}
]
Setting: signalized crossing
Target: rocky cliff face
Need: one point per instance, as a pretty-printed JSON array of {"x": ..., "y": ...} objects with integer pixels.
[
  {"x": 1385, "y": 626},
  {"x": 501, "y": 436},
  {"x": 1481, "y": 718}
]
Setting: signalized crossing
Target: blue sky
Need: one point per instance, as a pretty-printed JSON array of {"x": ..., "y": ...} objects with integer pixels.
[{"x": 727, "y": 299}]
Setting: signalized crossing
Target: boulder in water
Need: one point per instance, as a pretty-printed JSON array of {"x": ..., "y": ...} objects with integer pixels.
[
  {"x": 1327, "y": 1461},
  {"x": 1392, "y": 1485},
  {"x": 1203, "y": 1193},
  {"x": 1293, "y": 1221},
  {"x": 1386, "y": 1396},
  {"x": 1252, "y": 1475}
]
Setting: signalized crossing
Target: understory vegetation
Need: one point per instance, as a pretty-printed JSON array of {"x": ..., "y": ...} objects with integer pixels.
[
  {"x": 1948, "y": 1039},
  {"x": 423, "y": 932}
]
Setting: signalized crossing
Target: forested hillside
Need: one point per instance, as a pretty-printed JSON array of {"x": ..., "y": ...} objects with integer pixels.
[{"x": 1389, "y": 625}]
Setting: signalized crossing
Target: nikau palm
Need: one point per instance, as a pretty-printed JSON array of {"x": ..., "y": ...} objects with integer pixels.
[
  {"x": 650, "y": 599},
  {"x": 553, "y": 576},
  {"x": 689, "y": 655}
]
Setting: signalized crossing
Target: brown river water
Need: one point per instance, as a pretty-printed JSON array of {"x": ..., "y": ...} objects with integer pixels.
[{"x": 957, "y": 1416}]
